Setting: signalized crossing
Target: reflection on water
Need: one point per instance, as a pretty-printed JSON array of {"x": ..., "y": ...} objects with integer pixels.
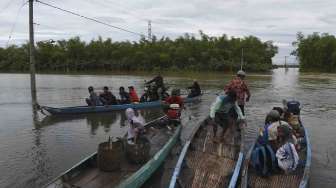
[
  {"x": 35, "y": 149},
  {"x": 95, "y": 121}
]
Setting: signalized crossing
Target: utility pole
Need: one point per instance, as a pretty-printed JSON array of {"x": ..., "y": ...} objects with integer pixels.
[
  {"x": 242, "y": 59},
  {"x": 286, "y": 61},
  {"x": 149, "y": 30},
  {"x": 32, "y": 53}
]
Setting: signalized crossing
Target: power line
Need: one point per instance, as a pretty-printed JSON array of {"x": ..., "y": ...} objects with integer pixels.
[
  {"x": 14, "y": 24},
  {"x": 92, "y": 19}
]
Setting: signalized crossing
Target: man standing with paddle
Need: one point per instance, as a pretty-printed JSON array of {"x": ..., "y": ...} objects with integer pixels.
[{"x": 240, "y": 87}]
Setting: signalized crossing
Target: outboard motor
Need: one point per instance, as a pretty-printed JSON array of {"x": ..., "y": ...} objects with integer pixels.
[{"x": 293, "y": 107}]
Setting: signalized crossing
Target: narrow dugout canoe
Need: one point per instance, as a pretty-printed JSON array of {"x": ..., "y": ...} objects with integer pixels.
[
  {"x": 204, "y": 163},
  {"x": 108, "y": 108},
  {"x": 300, "y": 178},
  {"x": 86, "y": 174}
]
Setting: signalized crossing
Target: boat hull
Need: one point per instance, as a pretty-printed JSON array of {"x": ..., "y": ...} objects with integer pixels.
[
  {"x": 300, "y": 179},
  {"x": 207, "y": 167},
  {"x": 135, "y": 179},
  {"x": 108, "y": 108}
]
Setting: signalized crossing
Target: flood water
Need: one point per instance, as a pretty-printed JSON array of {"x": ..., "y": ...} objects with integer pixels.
[{"x": 35, "y": 149}]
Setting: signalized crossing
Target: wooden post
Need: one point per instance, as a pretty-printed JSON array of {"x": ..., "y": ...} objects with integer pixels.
[
  {"x": 32, "y": 53},
  {"x": 285, "y": 61},
  {"x": 242, "y": 59}
]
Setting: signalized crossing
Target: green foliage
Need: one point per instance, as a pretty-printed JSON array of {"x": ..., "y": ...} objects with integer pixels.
[
  {"x": 184, "y": 53},
  {"x": 316, "y": 52}
]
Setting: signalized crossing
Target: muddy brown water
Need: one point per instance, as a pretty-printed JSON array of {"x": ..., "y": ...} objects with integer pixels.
[{"x": 35, "y": 149}]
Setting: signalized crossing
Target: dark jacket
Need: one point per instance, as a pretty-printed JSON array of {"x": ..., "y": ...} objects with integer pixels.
[
  {"x": 124, "y": 97},
  {"x": 108, "y": 98}
]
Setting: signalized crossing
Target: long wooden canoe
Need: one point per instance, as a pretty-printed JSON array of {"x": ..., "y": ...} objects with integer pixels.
[
  {"x": 208, "y": 164},
  {"x": 108, "y": 108},
  {"x": 300, "y": 178},
  {"x": 86, "y": 174}
]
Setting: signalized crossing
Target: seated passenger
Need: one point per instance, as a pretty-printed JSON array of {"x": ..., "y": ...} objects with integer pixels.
[
  {"x": 124, "y": 96},
  {"x": 174, "y": 112},
  {"x": 146, "y": 96},
  {"x": 264, "y": 137},
  {"x": 225, "y": 112},
  {"x": 93, "y": 99},
  {"x": 133, "y": 95},
  {"x": 195, "y": 90},
  {"x": 136, "y": 126},
  {"x": 107, "y": 98},
  {"x": 270, "y": 132},
  {"x": 287, "y": 156}
]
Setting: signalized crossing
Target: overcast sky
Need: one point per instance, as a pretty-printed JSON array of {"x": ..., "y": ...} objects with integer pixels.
[{"x": 276, "y": 20}]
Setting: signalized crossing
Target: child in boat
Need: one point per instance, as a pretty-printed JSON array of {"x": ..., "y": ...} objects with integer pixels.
[
  {"x": 93, "y": 99},
  {"x": 287, "y": 156},
  {"x": 107, "y": 98},
  {"x": 136, "y": 125},
  {"x": 225, "y": 111}
]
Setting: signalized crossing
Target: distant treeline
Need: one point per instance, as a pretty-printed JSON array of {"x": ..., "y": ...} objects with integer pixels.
[
  {"x": 184, "y": 53},
  {"x": 316, "y": 52}
]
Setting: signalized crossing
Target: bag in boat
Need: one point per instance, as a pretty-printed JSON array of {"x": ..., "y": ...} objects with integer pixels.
[{"x": 263, "y": 160}]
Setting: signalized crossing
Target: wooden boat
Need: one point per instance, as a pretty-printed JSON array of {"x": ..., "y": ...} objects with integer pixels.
[
  {"x": 204, "y": 163},
  {"x": 108, "y": 108},
  {"x": 299, "y": 178},
  {"x": 162, "y": 136}
]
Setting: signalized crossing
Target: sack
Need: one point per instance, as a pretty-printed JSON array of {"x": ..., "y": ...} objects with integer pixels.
[
  {"x": 294, "y": 121},
  {"x": 288, "y": 158},
  {"x": 263, "y": 160},
  {"x": 293, "y": 107}
]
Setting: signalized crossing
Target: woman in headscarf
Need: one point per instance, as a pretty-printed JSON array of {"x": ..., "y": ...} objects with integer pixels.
[{"x": 136, "y": 125}]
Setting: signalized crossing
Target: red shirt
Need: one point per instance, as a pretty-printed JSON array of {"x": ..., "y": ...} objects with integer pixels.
[
  {"x": 134, "y": 96},
  {"x": 240, "y": 87},
  {"x": 175, "y": 100}
]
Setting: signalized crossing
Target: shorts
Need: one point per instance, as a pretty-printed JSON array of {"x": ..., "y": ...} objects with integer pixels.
[{"x": 222, "y": 118}]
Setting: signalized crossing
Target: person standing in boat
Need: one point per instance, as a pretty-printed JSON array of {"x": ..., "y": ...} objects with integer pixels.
[
  {"x": 240, "y": 87},
  {"x": 133, "y": 95},
  {"x": 159, "y": 87},
  {"x": 195, "y": 90},
  {"x": 124, "y": 96},
  {"x": 225, "y": 111},
  {"x": 93, "y": 99},
  {"x": 136, "y": 125},
  {"x": 107, "y": 98}
]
